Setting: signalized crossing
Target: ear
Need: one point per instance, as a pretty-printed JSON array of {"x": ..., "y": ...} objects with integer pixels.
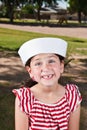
[
  {"x": 28, "y": 69},
  {"x": 62, "y": 67}
]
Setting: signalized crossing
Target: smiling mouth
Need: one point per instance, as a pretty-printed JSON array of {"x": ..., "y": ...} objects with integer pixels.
[{"x": 47, "y": 76}]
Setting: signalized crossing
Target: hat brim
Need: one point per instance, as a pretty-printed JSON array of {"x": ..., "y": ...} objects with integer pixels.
[{"x": 42, "y": 45}]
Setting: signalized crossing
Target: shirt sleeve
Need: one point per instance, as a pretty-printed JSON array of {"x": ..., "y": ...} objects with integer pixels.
[
  {"x": 23, "y": 95},
  {"x": 74, "y": 96}
]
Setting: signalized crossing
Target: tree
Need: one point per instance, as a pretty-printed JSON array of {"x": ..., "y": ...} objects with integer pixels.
[
  {"x": 79, "y": 6},
  {"x": 12, "y": 4},
  {"x": 39, "y": 4},
  {"x": 10, "y": 9}
]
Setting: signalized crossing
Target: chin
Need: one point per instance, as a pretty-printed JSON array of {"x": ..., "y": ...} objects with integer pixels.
[{"x": 47, "y": 85}]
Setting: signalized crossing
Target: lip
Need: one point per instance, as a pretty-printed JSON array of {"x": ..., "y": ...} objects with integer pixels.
[{"x": 47, "y": 77}]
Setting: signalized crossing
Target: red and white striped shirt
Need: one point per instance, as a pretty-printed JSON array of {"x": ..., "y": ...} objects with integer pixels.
[{"x": 48, "y": 116}]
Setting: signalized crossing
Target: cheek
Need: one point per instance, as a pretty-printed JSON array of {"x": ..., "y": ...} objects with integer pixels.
[
  {"x": 56, "y": 66},
  {"x": 59, "y": 68},
  {"x": 62, "y": 68},
  {"x": 34, "y": 73}
]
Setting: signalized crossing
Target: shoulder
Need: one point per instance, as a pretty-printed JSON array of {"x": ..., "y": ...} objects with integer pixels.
[
  {"x": 72, "y": 88},
  {"x": 20, "y": 92},
  {"x": 73, "y": 96},
  {"x": 24, "y": 98}
]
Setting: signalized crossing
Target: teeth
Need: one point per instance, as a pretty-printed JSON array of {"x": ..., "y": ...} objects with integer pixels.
[
  {"x": 47, "y": 76},
  {"x": 50, "y": 76}
]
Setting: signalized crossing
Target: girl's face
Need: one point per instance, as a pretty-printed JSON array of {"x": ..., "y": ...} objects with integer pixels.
[{"x": 46, "y": 69}]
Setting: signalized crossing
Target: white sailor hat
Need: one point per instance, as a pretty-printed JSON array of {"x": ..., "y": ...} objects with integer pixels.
[{"x": 42, "y": 45}]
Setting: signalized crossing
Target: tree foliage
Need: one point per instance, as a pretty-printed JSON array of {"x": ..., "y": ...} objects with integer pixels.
[
  {"x": 79, "y": 6},
  {"x": 39, "y": 4},
  {"x": 12, "y": 4}
]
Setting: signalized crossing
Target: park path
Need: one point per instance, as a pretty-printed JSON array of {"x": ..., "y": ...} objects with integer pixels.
[{"x": 78, "y": 32}]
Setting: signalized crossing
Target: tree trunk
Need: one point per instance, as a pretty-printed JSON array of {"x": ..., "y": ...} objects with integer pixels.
[
  {"x": 79, "y": 16},
  {"x": 10, "y": 11},
  {"x": 38, "y": 12},
  {"x": 11, "y": 15}
]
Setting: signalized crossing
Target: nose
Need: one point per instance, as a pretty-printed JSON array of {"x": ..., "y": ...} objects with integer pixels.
[{"x": 46, "y": 66}]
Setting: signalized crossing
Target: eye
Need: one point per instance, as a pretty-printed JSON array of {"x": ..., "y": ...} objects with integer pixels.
[
  {"x": 51, "y": 61},
  {"x": 37, "y": 63}
]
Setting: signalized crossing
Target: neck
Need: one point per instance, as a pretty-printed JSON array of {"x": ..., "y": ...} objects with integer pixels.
[
  {"x": 47, "y": 94},
  {"x": 48, "y": 89}
]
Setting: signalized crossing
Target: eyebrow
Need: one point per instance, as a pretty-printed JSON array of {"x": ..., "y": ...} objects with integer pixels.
[{"x": 47, "y": 57}]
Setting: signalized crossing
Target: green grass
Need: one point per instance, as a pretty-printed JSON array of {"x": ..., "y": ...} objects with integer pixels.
[
  {"x": 71, "y": 23},
  {"x": 10, "y": 40}
]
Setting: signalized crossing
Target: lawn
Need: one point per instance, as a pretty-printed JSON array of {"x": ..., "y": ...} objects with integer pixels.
[{"x": 10, "y": 40}]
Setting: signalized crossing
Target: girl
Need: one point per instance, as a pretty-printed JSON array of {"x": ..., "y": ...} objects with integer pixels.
[{"x": 46, "y": 104}]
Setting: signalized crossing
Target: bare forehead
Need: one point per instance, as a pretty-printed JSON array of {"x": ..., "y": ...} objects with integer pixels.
[{"x": 44, "y": 56}]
